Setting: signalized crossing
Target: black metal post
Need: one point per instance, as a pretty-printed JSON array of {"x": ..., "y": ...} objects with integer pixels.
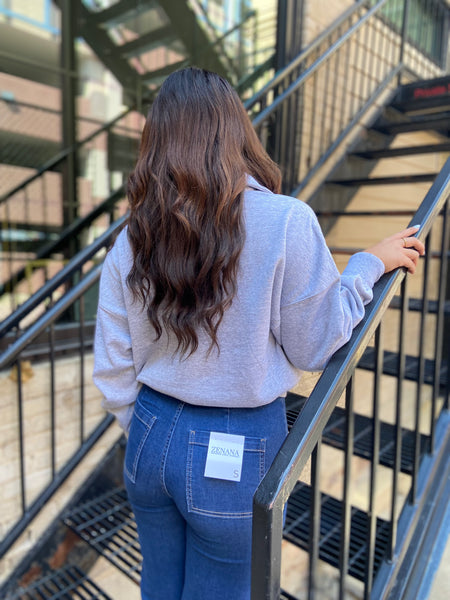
[
  {"x": 372, "y": 518},
  {"x": 405, "y": 23},
  {"x": 420, "y": 373},
  {"x": 287, "y": 124},
  {"x": 346, "y": 509},
  {"x": 68, "y": 88},
  {"x": 266, "y": 552},
  {"x": 398, "y": 417},
  {"x": 314, "y": 529},
  {"x": 439, "y": 334}
]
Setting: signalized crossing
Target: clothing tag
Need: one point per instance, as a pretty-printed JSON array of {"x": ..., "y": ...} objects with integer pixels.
[{"x": 225, "y": 454}]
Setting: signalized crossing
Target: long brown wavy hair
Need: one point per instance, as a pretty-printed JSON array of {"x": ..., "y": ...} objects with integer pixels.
[{"x": 185, "y": 226}]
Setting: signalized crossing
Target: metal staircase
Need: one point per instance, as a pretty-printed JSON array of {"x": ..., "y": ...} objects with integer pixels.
[
  {"x": 127, "y": 35},
  {"x": 345, "y": 413},
  {"x": 140, "y": 42}
]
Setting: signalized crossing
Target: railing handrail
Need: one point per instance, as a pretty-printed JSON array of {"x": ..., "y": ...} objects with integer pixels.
[
  {"x": 55, "y": 311},
  {"x": 58, "y": 158},
  {"x": 304, "y": 435},
  {"x": 68, "y": 233},
  {"x": 309, "y": 49},
  {"x": 61, "y": 277}
]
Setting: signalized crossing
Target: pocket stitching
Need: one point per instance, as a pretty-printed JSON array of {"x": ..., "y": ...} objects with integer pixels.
[
  {"x": 190, "y": 502},
  {"x": 148, "y": 427}
]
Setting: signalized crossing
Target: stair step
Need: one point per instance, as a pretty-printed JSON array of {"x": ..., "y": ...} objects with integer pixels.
[
  {"x": 153, "y": 39},
  {"x": 297, "y": 526},
  {"x": 389, "y": 180},
  {"x": 29, "y": 151},
  {"x": 334, "y": 435},
  {"x": 107, "y": 524},
  {"x": 155, "y": 76},
  {"x": 440, "y": 121},
  {"x": 405, "y": 151},
  {"x": 390, "y": 366},
  {"x": 416, "y": 304},
  {"x": 120, "y": 12},
  {"x": 423, "y": 95},
  {"x": 65, "y": 584}
]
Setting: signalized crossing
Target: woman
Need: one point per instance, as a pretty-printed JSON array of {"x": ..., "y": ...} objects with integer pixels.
[{"x": 212, "y": 300}]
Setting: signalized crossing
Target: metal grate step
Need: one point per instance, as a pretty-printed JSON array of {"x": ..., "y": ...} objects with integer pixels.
[
  {"x": 390, "y": 366},
  {"x": 334, "y": 435},
  {"x": 107, "y": 524},
  {"x": 297, "y": 528},
  {"x": 440, "y": 121},
  {"x": 405, "y": 151},
  {"x": 388, "y": 180},
  {"x": 416, "y": 305},
  {"x": 64, "y": 584}
]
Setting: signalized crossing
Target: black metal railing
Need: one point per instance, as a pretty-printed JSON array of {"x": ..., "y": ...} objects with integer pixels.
[
  {"x": 287, "y": 87},
  {"x": 399, "y": 349},
  {"x": 31, "y": 213},
  {"x": 34, "y": 237},
  {"x": 332, "y": 85},
  {"x": 38, "y": 470},
  {"x": 426, "y": 31}
]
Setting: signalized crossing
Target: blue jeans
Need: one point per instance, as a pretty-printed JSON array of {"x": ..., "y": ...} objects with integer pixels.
[{"x": 195, "y": 532}]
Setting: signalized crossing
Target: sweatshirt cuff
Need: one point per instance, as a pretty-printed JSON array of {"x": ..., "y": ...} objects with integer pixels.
[{"x": 368, "y": 266}]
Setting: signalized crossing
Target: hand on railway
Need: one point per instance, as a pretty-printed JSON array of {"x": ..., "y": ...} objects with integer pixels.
[{"x": 400, "y": 250}]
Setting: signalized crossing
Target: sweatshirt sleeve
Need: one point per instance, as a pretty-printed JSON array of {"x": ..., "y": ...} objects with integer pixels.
[
  {"x": 320, "y": 307},
  {"x": 114, "y": 370}
]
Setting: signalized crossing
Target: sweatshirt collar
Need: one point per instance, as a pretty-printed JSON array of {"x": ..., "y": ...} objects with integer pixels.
[{"x": 252, "y": 183}]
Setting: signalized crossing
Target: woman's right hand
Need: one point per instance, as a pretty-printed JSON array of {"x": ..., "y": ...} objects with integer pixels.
[{"x": 400, "y": 250}]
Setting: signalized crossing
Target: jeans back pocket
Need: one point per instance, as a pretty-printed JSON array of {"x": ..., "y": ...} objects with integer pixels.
[
  {"x": 219, "y": 497},
  {"x": 140, "y": 427}
]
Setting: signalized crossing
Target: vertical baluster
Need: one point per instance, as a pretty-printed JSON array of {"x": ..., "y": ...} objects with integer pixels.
[
  {"x": 404, "y": 33},
  {"x": 420, "y": 370},
  {"x": 323, "y": 116},
  {"x": 371, "y": 533},
  {"x": 52, "y": 395},
  {"x": 82, "y": 360},
  {"x": 439, "y": 335},
  {"x": 344, "y": 81},
  {"x": 314, "y": 528},
  {"x": 398, "y": 416},
  {"x": 396, "y": 58},
  {"x": 356, "y": 55},
  {"x": 9, "y": 250},
  {"x": 289, "y": 120},
  {"x": 21, "y": 436},
  {"x": 310, "y": 161},
  {"x": 447, "y": 387},
  {"x": 372, "y": 46},
  {"x": 381, "y": 50},
  {"x": 426, "y": 45},
  {"x": 43, "y": 180},
  {"x": 364, "y": 74},
  {"x": 262, "y": 129},
  {"x": 444, "y": 19},
  {"x": 335, "y": 60},
  {"x": 346, "y": 508},
  {"x": 26, "y": 215}
]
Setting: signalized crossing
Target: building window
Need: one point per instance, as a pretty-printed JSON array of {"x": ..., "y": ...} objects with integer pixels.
[{"x": 428, "y": 25}]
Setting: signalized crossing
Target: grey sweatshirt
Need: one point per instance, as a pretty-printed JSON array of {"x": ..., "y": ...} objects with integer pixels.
[{"x": 292, "y": 311}]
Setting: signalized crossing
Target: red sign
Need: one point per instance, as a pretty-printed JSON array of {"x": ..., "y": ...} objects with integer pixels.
[{"x": 437, "y": 90}]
